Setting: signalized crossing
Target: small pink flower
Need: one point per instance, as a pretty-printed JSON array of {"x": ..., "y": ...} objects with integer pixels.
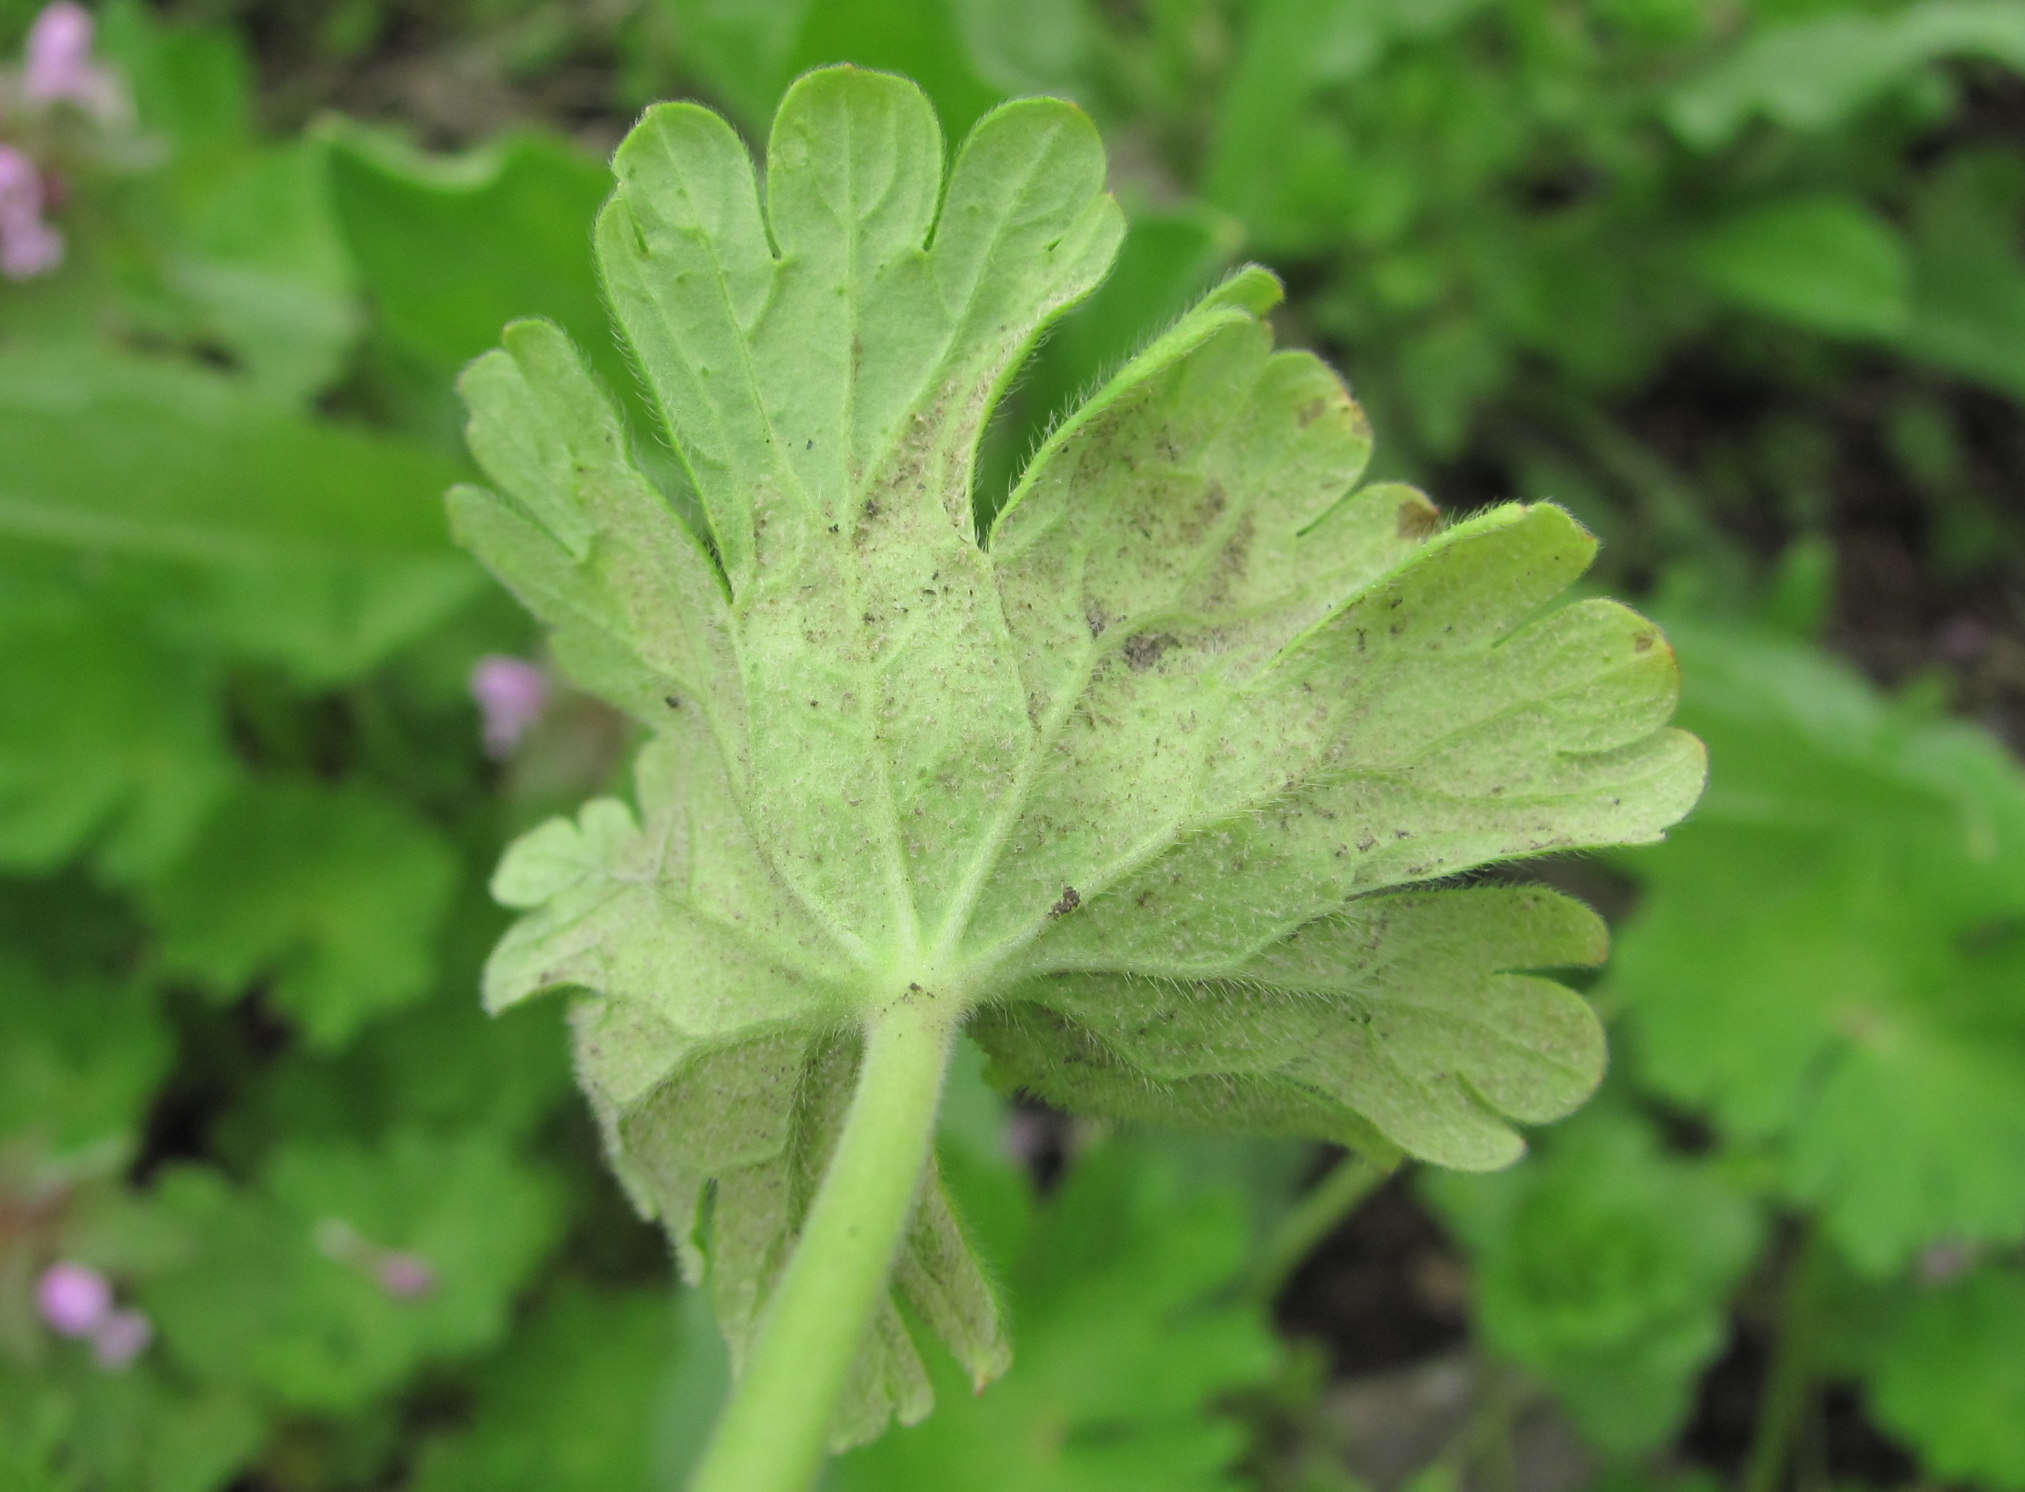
[
  {"x": 122, "y": 1337},
  {"x": 58, "y": 63},
  {"x": 511, "y": 694},
  {"x": 28, "y": 245},
  {"x": 404, "y": 1276},
  {"x": 74, "y": 1299}
]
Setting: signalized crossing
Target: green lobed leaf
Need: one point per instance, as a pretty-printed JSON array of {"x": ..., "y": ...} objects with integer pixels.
[
  {"x": 198, "y": 234},
  {"x": 108, "y": 739},
  {"x": 265, "y": 273},
  {"x": 1969, "y": 299},
  {"x": 1153, "y": 750},
  {"x": 256, "y": 530},
  {"x": 569, "y": 1405},
  {"x": 62, "y": 1083},
  {"x": 162, "y": 458},
  {"x": 331, "y": 896},
  {"x": 70, "y": 1426},
  {"x": 1606, "y": 1267},
  {"x": 1824, "y": 262},
  {"x": 1811, "y": 74},
  {"x": 1943, "y": 1374},
  {"x": 451, "y": 247},
  {"x": 280, "y": 1296},
  {"x": 1863, "y": 872},
  {"x": 745, "y": 55},
  {"x": 437, "y": 1061}
]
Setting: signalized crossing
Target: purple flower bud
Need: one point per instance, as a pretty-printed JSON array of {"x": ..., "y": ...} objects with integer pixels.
[
  {"x": 28, "y": 245},
  {"x": 74, "y": 1299},
  {"x": 405, "y": 1276},
  {"x": 122, "y": 1337},
  {"x": 58, "y": 63},
  {"x": 511, "y": 694}
]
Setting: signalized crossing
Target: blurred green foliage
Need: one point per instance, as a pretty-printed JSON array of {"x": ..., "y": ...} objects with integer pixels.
[{"x": 1744, "y": 286}]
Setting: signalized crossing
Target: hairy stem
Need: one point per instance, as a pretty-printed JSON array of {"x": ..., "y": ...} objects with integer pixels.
[{"x": 771, "y": 1435}]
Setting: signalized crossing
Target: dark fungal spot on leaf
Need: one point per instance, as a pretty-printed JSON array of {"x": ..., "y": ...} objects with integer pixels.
[
  {"x": 1418, "y": 518},
  {"x": 672, "y": 701},
  {"x": 1145, "y": 650},
  {"x": 1066, "y": 903},
  {"x": 1642, "y": 643},
  {"x": 1192, "y": 527},
  {"x": 1094, "y": 618}
]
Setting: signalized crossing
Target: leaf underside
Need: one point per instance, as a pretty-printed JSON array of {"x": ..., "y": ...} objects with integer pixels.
[{"x": 1136, "y": 777}]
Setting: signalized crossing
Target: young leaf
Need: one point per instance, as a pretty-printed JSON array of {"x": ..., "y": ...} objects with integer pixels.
[
  {"x": 1156, "y": 751},
  {"x": 1606, "y": 1267}
]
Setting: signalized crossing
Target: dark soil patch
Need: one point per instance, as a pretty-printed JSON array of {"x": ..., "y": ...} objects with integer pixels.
[{"x": 1384, "y": 1289}]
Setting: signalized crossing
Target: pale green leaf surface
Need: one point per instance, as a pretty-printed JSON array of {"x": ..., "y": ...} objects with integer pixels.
[
  {"x": 279, "y": 1296},
  {"x": 332, "y": 896},
  {"x": 1396, "y": 1021},
  {"x": 1139, "y": 751},
  {"x": 730, "y": 1075},
  {"x": 1861, "y": 872}
]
